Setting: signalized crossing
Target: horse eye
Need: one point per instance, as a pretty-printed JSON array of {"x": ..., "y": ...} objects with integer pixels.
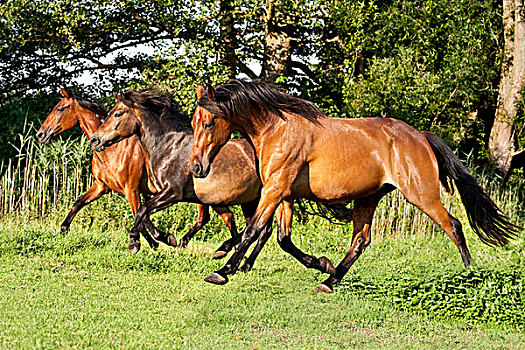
[
  {"x": 61, "y": 109},
  {"x": 209, "y": 125},
  {"x": 118, "y": 115}
]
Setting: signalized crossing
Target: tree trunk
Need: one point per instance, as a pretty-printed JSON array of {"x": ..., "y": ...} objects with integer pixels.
[
  {"x": 227, "y": 37},
  {"x": 277, "y": 45},
  {"x": 501, "y": 142}
]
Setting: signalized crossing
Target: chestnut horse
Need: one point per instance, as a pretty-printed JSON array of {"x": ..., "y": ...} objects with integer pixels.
[
  {"x": 167, "y": 138},
  {"x": 305, "y": 154},
  {"x": 121, "y": 168}
]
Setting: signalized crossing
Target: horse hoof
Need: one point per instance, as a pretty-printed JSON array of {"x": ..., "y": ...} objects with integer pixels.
[
  {"x": 64, "y": 228},
  {"x": 219, "y": 254},
  {"x": 326, "y": 265},
  {"x": 323, "y": 288},
  {"x": 172, "y": 241},
  {"x": 215, "y": 278},
  {"x": 246, "y": 267},
  {"x": 134, "y": 247}
]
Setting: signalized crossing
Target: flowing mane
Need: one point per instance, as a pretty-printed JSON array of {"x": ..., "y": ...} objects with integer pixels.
[
  {"x": 235, "y": 99},
  {"x": 91, "y": 106},
  {"x": 159, "y": 104}
]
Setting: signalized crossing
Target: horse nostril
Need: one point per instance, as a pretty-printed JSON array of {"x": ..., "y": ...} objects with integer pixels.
[
  {"x": 40, "y": 135},
  {"x": 94, "y": 140},
  {"x": 198, "y": 168}
]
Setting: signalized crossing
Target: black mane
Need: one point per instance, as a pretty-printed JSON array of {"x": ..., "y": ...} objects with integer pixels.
[
  {"x": 160, "y": 104},
  {"x": 87, "y": 104},
  {"x": 91, "y": 106},
  {"x": 238, "y": 98}
]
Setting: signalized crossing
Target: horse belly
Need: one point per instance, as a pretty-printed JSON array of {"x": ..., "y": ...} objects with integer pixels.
[
  {"x": 343, "y": 169},
  {"x": 334, "y": 184}
]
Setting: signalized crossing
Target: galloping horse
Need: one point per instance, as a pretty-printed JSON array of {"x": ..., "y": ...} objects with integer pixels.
[
  {"x": 121, "y": 168},
  {"x": 305, "y": 154}
]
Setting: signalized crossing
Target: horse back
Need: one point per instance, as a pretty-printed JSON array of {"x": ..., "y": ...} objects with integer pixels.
[{"x": 357, "y": 157}]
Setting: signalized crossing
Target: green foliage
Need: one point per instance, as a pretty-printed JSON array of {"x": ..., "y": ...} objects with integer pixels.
[
  {"x": 39, "y": 177},
  {"x": 16, "y": 114},
  {"x": 478, "y": 295},
  {"x": 432, "y": 63}
]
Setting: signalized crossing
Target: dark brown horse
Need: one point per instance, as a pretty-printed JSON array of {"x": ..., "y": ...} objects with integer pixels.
[
  {"x": 305, "y": 154},
  {"x": 120, "y": 168}
]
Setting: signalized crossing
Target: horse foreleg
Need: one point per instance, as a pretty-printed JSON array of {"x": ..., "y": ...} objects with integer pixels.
[
  {"x": 93, "y": 193},
  {"x": 263, "y": 238},
  {"x": 263, "y": 215},
  {"x": 227, "y": 216},
  {"x": 362, "y": 216},
  {"x": 158, "y": 202},
  {"x": 133, "y": 198}
]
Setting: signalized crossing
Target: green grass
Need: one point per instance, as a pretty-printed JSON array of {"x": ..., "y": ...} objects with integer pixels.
[{"x": 82, "y": 289}]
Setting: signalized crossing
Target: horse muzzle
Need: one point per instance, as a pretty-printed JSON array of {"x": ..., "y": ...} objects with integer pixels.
[
  {"x": 43, "y": 137},
  {"x": 96, "y": 144},
  {"x": 198, "y": 169}
]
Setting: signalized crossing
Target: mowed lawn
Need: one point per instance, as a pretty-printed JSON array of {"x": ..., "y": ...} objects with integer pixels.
[{"x": 82, "y": 289}]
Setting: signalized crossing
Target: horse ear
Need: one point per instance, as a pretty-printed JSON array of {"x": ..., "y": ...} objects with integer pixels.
[
  {"x": 115, "y": 96},
  {"x": 211, "y": 93},
  {"x": 65, "y": 93},
  {"x": 200, "y": 91}
]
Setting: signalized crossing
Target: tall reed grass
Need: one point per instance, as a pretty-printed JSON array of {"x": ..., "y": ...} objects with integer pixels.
[
  {"x": 41, "y": 178},
  {"x": 44, "y": 179}
]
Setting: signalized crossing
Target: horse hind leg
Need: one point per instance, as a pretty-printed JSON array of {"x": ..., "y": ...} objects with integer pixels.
[
  {"x": 429, "y": 202},
  {"x": 451, "y": 226},
  {"x": 362, "y": 216},
  {"x": 460, "y": 241},
  {"x": 284, "y": 224}
]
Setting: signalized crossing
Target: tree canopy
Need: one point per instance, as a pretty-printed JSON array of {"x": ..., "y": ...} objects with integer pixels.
[{"x": 434, "y": 63}]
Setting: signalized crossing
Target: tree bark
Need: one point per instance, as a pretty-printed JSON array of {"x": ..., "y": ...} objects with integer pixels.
[
  {"x": 227, "y": 37},
  {"x": 278, "y": 45},
  {"x": 501, "y": 142}
]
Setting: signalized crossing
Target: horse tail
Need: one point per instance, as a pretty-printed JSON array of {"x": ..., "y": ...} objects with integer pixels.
[
  {"x": 484, "y": 216},
  {"x": 336, "y": 213}
]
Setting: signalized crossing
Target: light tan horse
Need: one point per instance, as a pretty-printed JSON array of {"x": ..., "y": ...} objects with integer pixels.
[{"x": 305, "y": 154}]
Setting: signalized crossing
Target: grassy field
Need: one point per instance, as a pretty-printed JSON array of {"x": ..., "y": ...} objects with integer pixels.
[{"x": 82, "y": 289}]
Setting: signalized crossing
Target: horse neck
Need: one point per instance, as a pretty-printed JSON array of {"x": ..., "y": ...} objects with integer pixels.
[
  {"x": 257, "y": 133},
  {"x": 157, "y": 135},
  {"x": 89, "y": 122}
]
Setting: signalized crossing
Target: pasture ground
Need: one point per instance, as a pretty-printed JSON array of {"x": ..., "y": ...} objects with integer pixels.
[{"x": 82, "y": 289}]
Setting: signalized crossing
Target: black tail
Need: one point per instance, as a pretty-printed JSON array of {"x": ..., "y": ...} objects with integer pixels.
[
  {"x": 484, "y": 216},
  {"x": 336, "y": 213}
]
